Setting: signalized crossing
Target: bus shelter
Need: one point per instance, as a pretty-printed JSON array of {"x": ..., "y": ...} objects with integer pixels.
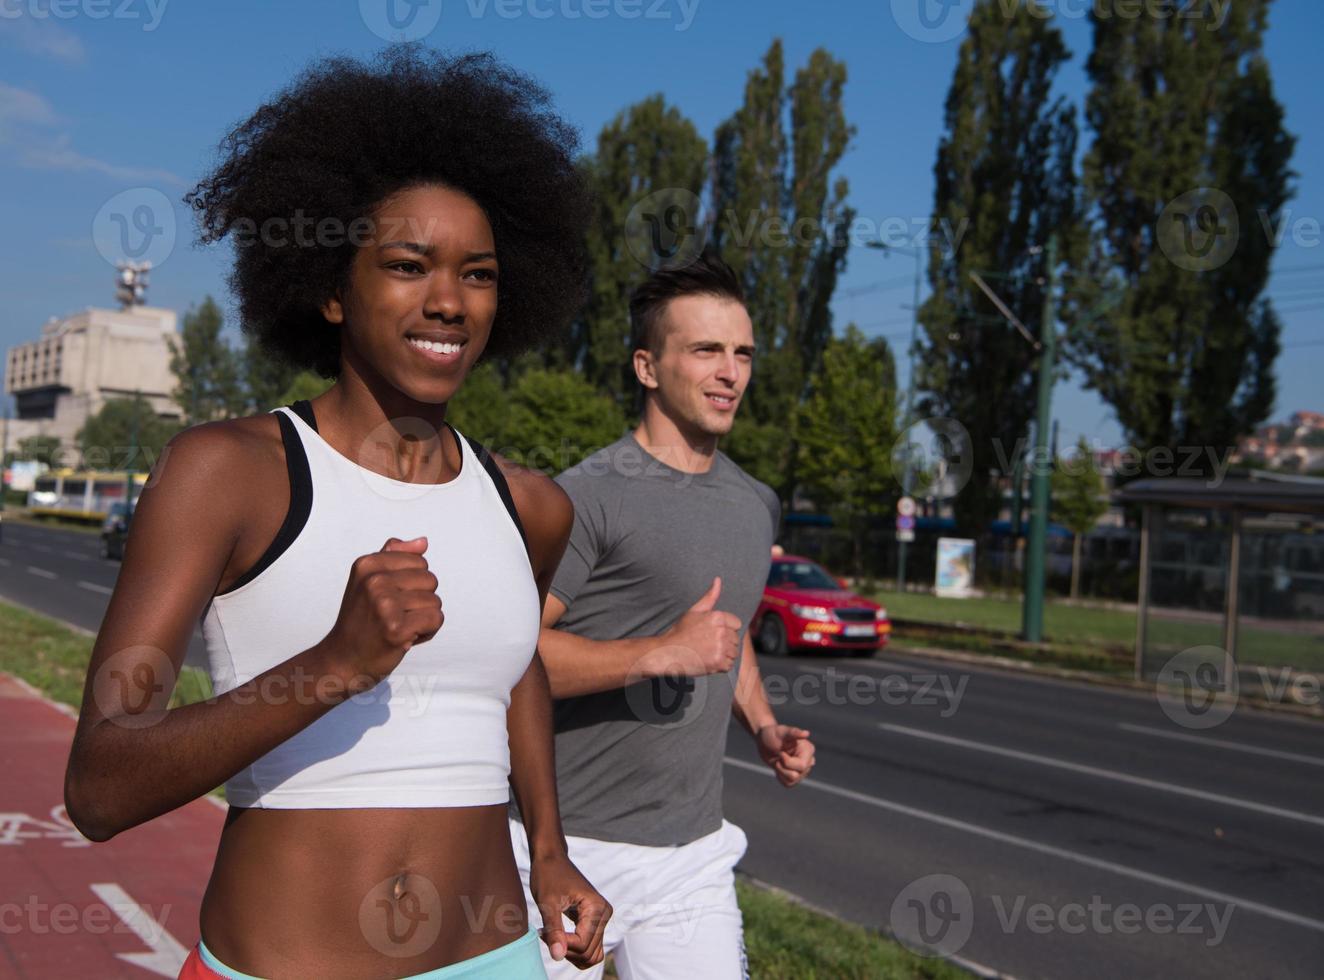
[{"x": 1233, "y": 570}]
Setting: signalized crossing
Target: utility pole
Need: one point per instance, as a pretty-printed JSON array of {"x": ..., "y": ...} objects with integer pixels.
[
  {"x": 1032, "y": 624},
  {"x": 914, "y": 253},
  {"x": 133, "y": 454}
]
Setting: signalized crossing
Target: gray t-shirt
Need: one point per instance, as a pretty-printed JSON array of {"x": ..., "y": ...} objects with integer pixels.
[{"x": 643, "y": 764}]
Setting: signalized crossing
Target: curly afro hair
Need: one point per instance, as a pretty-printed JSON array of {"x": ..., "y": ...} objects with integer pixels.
[{"x": 344, "y": 137}]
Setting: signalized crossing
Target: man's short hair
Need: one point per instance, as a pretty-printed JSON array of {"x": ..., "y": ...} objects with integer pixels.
[{"x": 707, "y": 275}]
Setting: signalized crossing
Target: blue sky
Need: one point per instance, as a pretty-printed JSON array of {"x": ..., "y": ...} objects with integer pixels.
[{"x": 100, "y": 97}]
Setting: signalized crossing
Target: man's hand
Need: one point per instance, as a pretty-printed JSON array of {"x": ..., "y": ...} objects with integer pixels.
[
  {"x": 702, "y": 641},
  {"x": 558, "y": 887},
  {"x": 787, "y": 750}
]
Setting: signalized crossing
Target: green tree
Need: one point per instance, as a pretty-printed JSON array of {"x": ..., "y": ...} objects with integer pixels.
[
  {"x": 556, "y": 418},
  {"x": 125, "y": 434},
  {"x": 1188, "y": 139},
  {"x": 647, "y": 148},
  {"x": 42, "y": 449},
  {"x": 206, "y": 368},
  {"x": 266, "y": 377},
  {"x": 1079, "y": 500},
  {"x": 1004, "y": 183},
  {"x": 781, "y": 221},
  {"x": 479, "y": 409},
  {"x": 304, "y": 386},
  {"x": 846, "y": 430}
]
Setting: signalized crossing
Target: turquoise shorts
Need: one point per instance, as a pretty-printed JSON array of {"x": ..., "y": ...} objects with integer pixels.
[{"x": 520, "y": 960}]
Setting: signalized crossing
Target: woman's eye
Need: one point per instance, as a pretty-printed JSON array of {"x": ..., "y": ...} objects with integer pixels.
[
  {"x": 487, "y": 275},
  {"x": 406, "y": 266}
]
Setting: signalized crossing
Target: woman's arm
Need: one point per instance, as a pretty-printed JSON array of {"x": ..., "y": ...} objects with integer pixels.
[
  {"x": 557, "y": 886},
  {"x": 133, "y": 758}
]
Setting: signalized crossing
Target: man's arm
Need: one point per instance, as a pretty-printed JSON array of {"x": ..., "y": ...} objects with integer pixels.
[
  {"x": 787, "y": 750},
  {"x": 702, "y": 641}
]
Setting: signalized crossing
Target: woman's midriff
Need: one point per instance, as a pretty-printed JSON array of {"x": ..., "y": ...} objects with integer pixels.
[{"x": 361, "y": 893}]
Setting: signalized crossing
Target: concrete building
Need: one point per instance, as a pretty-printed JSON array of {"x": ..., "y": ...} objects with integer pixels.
[{"x": 82, "y": 361}]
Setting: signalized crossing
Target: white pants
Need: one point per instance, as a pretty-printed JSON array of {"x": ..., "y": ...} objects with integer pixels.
[{"x": 675, "y": 912}]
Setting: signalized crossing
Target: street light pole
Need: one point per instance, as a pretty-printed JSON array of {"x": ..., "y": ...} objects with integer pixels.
[{"x": 914, "y": 253}]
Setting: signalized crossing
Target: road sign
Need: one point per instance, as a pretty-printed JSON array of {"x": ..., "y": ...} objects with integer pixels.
[
  {"x": 906, "y": 506},
  {"x": 905, "y": 534},
  {"x": 904, "y": 523}
]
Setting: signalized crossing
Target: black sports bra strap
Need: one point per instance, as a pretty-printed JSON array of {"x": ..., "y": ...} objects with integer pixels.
[
  {"x": 304, "y": 409},
  {"x": 502, "y": 487}
]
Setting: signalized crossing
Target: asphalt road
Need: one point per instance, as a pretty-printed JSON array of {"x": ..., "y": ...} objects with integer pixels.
[
  {"x": 61, "y": 573},
  {"x": 1040, "y": 828},
  {"x": 1081, "y": 831}
]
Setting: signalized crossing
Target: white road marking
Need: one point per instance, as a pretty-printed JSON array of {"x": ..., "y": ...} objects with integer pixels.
[
  {"x": 42, "y": 572},
  {"x": 93, "y": 587},
  {"x": 167, "y": 956},
  {"x": 1060, "y": 852},
  {"x": 76, "y": 554},
  {"x": 1224, "y": 743},
  {"x": 1121, "y": 777}
]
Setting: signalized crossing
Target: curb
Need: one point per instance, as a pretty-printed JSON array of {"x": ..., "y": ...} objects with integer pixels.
[
  {"x": 970, "y": 966},
  {"x": 1313, "y": 713}
]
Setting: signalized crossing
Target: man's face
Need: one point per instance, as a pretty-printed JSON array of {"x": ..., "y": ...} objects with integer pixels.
[{"x": 707, "y": 355}]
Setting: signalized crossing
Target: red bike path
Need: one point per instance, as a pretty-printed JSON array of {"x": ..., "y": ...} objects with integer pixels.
[{"x": 73, "y": 909}]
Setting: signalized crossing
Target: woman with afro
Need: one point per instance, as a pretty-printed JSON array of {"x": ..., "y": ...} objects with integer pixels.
[{"x": 369, "y": 581}]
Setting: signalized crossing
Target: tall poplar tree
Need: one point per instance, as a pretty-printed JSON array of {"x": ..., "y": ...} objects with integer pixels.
[
  {"x": 647, "y": 148},
  {"x": 1190, "y": 162},
  {"x": 780, "y": 219},
  {"x": 1004, "y": 184}
]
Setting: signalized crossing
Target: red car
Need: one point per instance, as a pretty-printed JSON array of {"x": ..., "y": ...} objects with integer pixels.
[{"x": 804, "y": 607}]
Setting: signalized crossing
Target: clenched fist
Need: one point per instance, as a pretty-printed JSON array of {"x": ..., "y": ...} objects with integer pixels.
[{"x": 390, "y": 604}]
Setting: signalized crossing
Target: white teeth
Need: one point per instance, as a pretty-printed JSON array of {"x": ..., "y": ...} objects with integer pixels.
[{"x": 435, "y": 346}]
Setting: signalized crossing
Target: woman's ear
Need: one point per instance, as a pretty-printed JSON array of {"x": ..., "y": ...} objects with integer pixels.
[{"x": 333, "y": 310}]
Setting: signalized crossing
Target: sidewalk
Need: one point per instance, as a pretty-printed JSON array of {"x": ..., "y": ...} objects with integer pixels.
[{"x": 69, "y": 908}]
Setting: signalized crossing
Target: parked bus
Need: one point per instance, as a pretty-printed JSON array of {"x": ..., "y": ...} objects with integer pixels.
[{"x": 84, "y": 495}]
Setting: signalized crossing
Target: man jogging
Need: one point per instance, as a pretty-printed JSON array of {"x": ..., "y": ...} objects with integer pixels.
[{"x": 645, "y": 639}]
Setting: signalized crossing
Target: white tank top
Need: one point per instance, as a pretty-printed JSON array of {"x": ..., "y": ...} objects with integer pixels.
[{"x": 433, "y": 731}]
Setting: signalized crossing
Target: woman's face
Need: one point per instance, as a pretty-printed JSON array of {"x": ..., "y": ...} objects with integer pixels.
[{"x": 422, "y": 294}]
